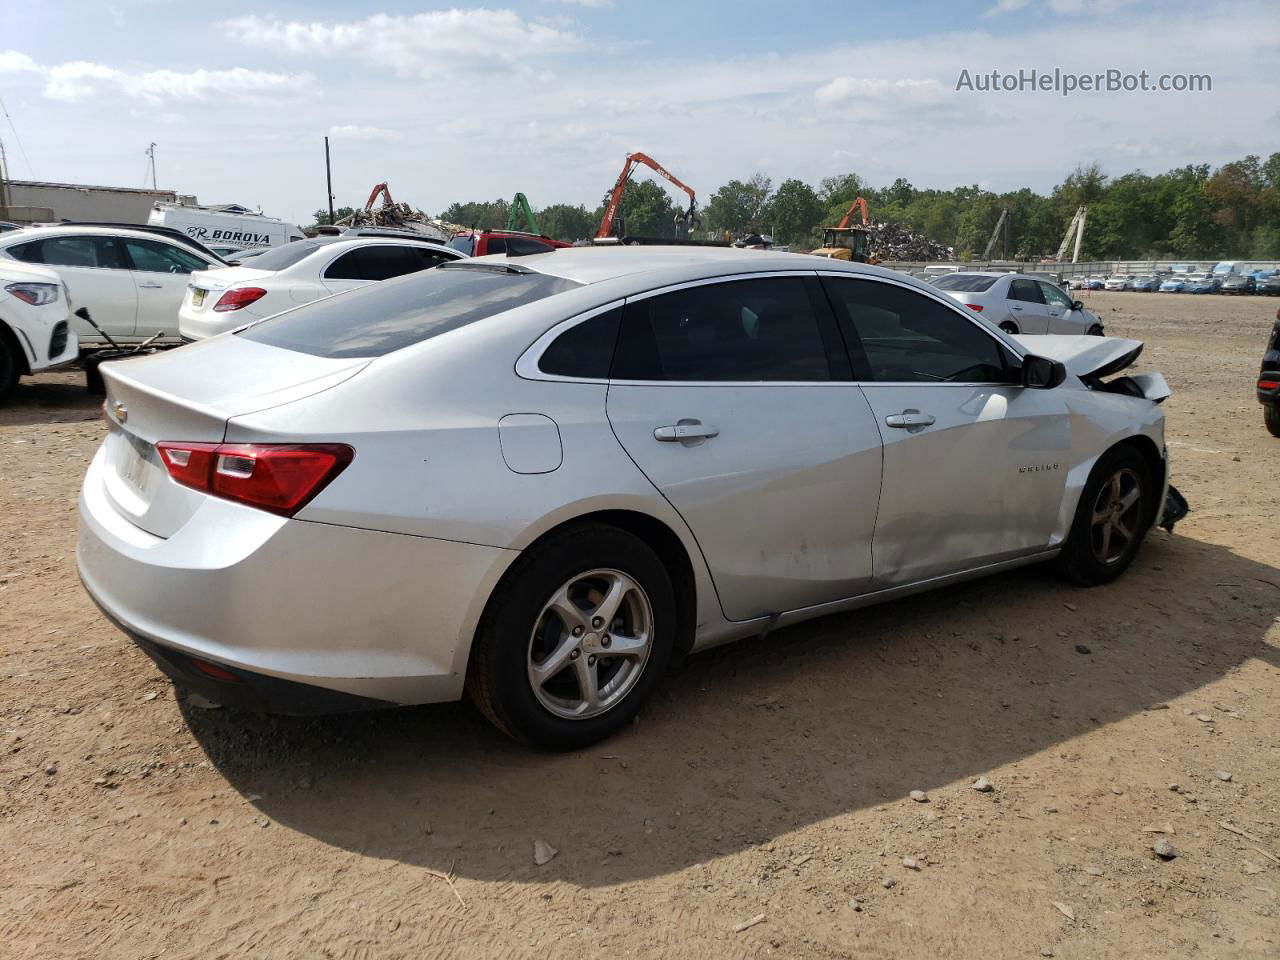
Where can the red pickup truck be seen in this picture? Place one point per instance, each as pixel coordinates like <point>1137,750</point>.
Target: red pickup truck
<point>478,243</point>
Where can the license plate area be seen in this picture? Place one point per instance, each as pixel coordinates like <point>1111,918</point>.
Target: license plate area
<point>139,460</point>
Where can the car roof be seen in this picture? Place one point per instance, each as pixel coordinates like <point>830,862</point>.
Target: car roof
<point>591,265</point>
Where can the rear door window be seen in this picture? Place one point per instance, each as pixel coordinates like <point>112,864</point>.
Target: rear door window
<point>765,329</point>
<point>1025,290</point>
<point>519,246</point>
<point>584,350</point>
<point>385,317</point>
<point>80,251</point>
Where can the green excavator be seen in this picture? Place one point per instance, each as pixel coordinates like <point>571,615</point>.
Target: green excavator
<point>520,209</point>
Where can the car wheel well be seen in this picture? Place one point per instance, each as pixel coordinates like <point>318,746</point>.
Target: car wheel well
<point>1150,454</point>
<point>1008,326</point>
<point>10,340</point>
<point>663,541</point>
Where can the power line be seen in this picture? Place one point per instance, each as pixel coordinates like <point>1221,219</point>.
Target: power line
<point>17,139</point>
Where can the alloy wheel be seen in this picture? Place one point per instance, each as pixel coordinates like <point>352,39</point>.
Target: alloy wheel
<point>590,644</point>
<point>1117,516</point>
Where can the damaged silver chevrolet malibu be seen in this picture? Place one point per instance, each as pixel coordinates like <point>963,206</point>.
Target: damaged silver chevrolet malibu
<point>535,480</point>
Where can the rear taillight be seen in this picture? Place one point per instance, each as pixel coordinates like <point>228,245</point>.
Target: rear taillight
<point>1268,384</point>
<point>974,306</point>
<point>238,297</point>
<point>279,477</point>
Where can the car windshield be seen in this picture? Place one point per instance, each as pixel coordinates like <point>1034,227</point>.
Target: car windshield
<point>965,282</point>
<point>279,258</point>
<point>394,314</point>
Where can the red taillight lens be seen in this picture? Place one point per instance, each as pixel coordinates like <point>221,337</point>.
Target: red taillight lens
<point>279,477</point>
<point>238,297</point>
<point>974,306</point>
<point>1268,384</point>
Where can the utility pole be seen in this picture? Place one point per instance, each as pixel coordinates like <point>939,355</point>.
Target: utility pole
<point>4,182</point>
<point>328,179</point>
<point>151,154</point>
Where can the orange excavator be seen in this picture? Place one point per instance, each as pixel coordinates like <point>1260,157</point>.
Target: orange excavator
<point>686,220</point>
<point>845,242</point>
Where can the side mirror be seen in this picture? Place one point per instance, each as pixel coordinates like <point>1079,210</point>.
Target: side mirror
<point>1040,373</point>
<point>1077,305</point>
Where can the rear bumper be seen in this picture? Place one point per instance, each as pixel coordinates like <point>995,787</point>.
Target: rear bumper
<point>375,616</point>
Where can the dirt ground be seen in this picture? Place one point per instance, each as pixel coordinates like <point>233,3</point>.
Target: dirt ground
<point>769,780</point>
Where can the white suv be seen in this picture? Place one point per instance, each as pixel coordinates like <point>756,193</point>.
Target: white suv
<point>35,330</point>
<point>131,280</point>
<point>297,273</point>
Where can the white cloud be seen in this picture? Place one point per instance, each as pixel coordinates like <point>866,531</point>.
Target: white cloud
<point>597,4</point>
<point>907,90</point>
<point>85,80</point>
<point>354,132</point>
<point>424,44</point>
<point>1063,7</point>
<point>11,61</point>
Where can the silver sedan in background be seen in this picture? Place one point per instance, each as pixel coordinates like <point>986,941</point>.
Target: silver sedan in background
<point>1020,304</point>
<point>537,479</point>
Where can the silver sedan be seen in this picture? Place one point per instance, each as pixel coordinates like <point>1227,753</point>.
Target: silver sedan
<point>537,479</point>
<point>1020,304</point>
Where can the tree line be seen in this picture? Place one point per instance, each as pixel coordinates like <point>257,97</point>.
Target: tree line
<point>1193,212</point>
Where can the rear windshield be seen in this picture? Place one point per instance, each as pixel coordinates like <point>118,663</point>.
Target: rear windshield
<point>394,314</point>
<point>964,282</point>
<point>286,256</point>
<point>464,243</point>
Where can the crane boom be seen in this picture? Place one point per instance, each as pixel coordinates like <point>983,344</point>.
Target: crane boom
<point>380,188</point>
<point>1004,216</point>
<point>615,198</point>
<point>858,204</point>
<point>1076,226</point>
<point>520,209</point>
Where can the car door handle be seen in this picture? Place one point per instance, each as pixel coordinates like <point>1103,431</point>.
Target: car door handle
<point>151,286</point>
<point>1014,306</point>
<point>910,419</point>
<point>685,430</point>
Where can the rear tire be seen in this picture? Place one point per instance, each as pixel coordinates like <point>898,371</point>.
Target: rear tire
<point>528,629</point>
<point>9,370</point>
<point>1095,331</point>
<point>1271,417</point>
<point>1112,518</point>
<point>1009,327</point>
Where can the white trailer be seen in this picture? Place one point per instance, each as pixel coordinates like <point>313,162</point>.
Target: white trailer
<point>225,226</point>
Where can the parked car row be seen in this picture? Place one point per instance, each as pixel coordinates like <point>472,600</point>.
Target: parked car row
<point>1230,283</point>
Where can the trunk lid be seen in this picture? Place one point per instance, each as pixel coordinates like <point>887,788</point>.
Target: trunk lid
<point>1084,356</point>
<point>189,394</point>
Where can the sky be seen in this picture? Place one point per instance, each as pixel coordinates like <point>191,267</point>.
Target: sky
<point>477,101</point>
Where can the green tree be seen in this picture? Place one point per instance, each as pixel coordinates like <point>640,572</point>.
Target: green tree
<point>739,207</point>
<point>794,212</point>
<point>483,214</point>
<point>565,222</point>
<point>322,215</point>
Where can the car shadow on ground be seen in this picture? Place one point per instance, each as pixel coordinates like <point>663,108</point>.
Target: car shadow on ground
<point>63,391</point>
<point>750,741</point>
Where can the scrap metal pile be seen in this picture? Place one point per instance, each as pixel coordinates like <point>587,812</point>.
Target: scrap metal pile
<point>892,241</point>
<point>399,216</point>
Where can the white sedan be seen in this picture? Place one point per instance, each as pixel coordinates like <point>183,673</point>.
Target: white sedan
<point>1020,304</point>
<point>536,479</point>
<point>35,323</point>
<point>131,279</point>
<point>295,273</point>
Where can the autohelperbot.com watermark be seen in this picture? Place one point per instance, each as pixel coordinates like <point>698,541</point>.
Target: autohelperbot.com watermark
<point>1065,82</point>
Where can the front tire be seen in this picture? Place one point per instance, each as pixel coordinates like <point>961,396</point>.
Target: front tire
<point>1271,417</point>
<point>9,371</point>
<point>574,639</point>
<point>1095,331</point>
<point>1112,518</point>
